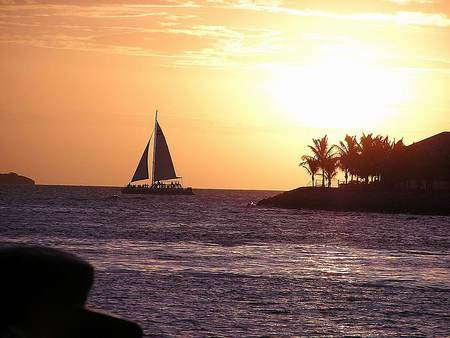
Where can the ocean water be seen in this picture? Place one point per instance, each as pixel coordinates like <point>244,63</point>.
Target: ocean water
<point>206,265</point>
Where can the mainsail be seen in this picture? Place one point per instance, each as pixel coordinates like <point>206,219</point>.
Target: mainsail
<point>141,172</point>
<point>163,168</point>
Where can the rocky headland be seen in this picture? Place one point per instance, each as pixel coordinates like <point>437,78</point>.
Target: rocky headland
<point>367,200</point>
<point>15,179</point>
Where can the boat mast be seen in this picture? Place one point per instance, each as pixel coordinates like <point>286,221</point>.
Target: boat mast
<point>154,147</point>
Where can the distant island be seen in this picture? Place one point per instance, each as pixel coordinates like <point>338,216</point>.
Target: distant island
<point>15,179</point>
<point>380,176</point>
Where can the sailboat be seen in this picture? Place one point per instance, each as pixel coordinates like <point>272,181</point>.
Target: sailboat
<point>164,180</point>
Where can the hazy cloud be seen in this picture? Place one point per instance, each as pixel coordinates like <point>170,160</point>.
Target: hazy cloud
<point>186,33</point>
<point>407,2</point>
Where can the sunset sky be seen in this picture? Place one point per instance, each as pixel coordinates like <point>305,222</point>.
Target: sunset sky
<point>241,86</point>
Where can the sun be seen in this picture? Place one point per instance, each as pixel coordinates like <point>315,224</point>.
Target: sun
<point>338,93</point>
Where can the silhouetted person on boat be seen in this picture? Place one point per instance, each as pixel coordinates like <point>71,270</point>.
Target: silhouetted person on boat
<point>43,292</point>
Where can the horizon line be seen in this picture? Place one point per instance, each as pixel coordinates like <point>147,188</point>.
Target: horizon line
<point>117,186</point>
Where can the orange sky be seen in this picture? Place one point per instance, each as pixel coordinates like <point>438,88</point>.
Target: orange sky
<point>241,86</point>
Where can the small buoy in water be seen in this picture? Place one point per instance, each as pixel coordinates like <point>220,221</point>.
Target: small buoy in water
<point>251,204</point>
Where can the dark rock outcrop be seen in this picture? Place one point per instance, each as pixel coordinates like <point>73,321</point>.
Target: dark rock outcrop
<point>14,179</point>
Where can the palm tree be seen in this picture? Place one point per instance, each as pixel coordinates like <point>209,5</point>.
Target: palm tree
<point>348,153</point>
<point>322,153</point>
<point>398,146</point>
<point>382,148</point>
<point>365,163</point>
<point>365,159</point>
<point>311,165</point>
<point>331,168</point>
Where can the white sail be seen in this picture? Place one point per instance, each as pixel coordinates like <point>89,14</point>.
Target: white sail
<point>141,172</point>
<point>163,168</point>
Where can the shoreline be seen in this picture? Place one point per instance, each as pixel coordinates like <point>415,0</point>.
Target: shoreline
<point>363,200</point>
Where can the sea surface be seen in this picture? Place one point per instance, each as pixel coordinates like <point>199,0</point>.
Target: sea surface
<point>207,265</point>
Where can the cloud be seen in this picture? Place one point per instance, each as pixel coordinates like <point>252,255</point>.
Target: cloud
<point>408,2</point>
<point>170,36</point>
<point>402,17</point>
<point>183,33</point>
<point>93,10</point>
<point>146,3</point>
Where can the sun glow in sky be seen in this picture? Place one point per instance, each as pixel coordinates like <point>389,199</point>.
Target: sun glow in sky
<point>340,92</point>
<point>241,85</point>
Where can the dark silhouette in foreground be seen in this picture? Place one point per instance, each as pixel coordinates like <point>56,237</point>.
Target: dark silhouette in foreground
<point>43,293</point>
<point>14,179</point>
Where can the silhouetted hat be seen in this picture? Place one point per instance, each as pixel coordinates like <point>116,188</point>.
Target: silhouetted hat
<point>39,281</point>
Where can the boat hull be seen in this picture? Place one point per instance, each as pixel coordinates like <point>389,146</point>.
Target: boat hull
<point>157,191</point>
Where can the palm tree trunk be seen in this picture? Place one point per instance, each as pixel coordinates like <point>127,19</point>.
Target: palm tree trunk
<point>323,178</point>
<point>312,176</point>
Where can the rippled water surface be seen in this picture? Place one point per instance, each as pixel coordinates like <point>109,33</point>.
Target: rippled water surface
<point>206,265</point>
